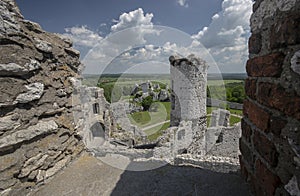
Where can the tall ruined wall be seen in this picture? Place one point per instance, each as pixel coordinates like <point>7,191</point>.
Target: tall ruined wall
<point>37,132</point>
<point>270,143</point>
<point>188,97</point>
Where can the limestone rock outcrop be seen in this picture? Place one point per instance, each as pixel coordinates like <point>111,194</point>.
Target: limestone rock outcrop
<point>38,136</point>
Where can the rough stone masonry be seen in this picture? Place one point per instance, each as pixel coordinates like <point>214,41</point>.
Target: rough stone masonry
<point>188,98</point>
<point>37,132</point>
<point>270,143</point>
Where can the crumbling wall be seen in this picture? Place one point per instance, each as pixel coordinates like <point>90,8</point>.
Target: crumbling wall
<point>188,97</point>
<point>270,143</point>
<point>92,115</point>
<point>37,132</point>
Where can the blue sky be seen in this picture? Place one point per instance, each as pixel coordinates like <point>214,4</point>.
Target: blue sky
<point>222,26</point>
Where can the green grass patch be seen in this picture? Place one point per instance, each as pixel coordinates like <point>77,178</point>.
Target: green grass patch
<point>233,120</point>
<point>157,131</point>
<point>145,118</point>
<point>140,118</point>
<point>237,112</point>
<point>208,121</point>
<point>167,106</point>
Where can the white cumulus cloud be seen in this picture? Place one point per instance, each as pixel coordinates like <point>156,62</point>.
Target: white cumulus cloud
<point>133,19</point>
<point>129,32</point>
<point>183,3</point>
<point>82,36</point>
<point>227,35</point>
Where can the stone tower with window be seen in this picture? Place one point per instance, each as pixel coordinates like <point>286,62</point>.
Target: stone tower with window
<point>188,98</point>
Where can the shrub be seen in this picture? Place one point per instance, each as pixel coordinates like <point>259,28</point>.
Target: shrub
<point>146,102</point>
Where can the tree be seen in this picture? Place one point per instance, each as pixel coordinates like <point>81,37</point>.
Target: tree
<point>146,102</point>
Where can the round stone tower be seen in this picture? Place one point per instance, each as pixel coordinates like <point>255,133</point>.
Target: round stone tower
<point>188,97</point>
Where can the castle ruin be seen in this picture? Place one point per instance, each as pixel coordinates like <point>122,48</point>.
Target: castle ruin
<point>188,99</point>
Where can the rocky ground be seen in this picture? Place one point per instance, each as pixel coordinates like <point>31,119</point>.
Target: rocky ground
<point>89,176</point>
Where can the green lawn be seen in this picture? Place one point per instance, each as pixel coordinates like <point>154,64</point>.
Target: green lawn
<point>155,132</point>
<point>140,118</point>
<point>144,119</point>
<point>233,120</point>
<point>237,112</point>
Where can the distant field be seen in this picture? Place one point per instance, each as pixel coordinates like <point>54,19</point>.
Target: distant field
<point>92,80</point>
<point>230,89</point>
<point>221,82</point>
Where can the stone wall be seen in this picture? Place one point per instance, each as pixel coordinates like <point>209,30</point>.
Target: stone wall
<point>125,131</point>
<point>270,143</point>
<point>37,132</point>
<point>92,115</point>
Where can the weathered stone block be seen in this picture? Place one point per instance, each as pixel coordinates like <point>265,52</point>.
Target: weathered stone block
<point>246,131</point>
<point>32,164</point>
<point>265,148</point>
<point>265,66</point>
<point>256,114</point>
<point>34,91</point>
<point>255,43</point>
<point>43,127</point>
<point>277,124</point>
<point>266,182</point>
<point>248,155</point>
<point>19,55</point>
<point>4,184</point>
<point>8,123</point>
<point>43,46</point>
<point>10,88</point>
<point>295,62</point>
<point>9,160</point>
<point>72,52</point>
<point>276,96</point>
<point>285,31</point>
<point>58,166</point>
<point>250,88</point>
<point>13,69</point>
<point>244,169</point>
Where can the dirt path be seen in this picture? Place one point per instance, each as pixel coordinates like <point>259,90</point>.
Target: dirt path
<point>89,176</point>
<point>157,124</point>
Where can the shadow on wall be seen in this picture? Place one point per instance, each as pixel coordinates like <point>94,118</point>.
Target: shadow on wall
<point>180,180</point>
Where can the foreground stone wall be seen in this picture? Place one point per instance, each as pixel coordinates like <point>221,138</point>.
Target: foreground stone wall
<point>270,143</point>
<point>37,132</point>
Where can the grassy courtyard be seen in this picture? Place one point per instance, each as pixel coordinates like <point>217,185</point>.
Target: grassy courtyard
<point>145,119</point>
